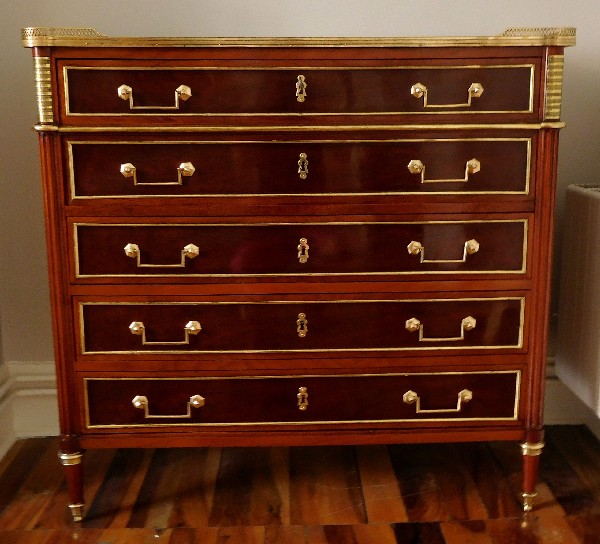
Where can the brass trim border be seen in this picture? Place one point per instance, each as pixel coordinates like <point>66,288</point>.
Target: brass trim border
<point>201,129</point>
<point>564,31</point>
<point>514,417</point>
<point>451,111</point>
<point>522,270</point>
<point>553,92</point>
<point>533,450</point>
<point>89,37</point>
<point>31,36</point>
<point>43,89</point>
<point>70,459</point>
<point>518,345</point>
<point>73,194</point>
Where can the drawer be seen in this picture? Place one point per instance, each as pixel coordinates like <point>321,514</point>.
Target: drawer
<point>307,249</point>
<point>297,400</point>
<point>144,328</point>
<point>136,169</point>
<point>142,89</point>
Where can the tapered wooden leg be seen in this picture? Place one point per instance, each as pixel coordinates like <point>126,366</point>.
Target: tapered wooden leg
<point>531,462</point>
<point>74,474</point>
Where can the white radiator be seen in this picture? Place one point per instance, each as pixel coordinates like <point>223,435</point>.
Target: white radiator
<point>578,342</point>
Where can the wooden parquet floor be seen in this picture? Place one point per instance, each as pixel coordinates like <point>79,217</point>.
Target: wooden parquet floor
<point>406,494</point>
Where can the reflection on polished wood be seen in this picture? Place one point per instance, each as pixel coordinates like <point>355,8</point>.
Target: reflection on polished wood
<point>431,494</point>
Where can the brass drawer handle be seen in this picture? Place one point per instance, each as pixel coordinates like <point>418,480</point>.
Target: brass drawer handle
<point>410,397</point>
<point>138,328</point>
<point>302,397</point>
<point>186,169</point>
<point>190,251</point>
<point>467,324</point>
<point>301,86</point>
<point>141,402</point>
<point>183,92</point>
<point>417,167</point>
<point>303,166</point>
<point>417,248</point>
<point>302,325</point>
<point>303,250</point>
<point>419,90</point>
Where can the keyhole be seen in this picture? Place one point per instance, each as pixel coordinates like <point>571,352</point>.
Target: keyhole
<point>302,397</point>
<point>302,325</point>
<point>303,250</point>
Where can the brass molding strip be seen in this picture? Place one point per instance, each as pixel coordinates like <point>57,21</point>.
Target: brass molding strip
<point>518,345</point>
<point>75,196</point>
<point>88,37</point>
<point>36,35</point>
<point>529,109</point>
<point>564,31</point>
<point>297,128</point>
<point>514,417</point>
<point>296,68</point>
<point>43,89</point>
<point>554,81</point>
<point>522,270</point>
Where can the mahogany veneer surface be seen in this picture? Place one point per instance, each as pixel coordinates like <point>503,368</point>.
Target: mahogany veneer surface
<point>345,243</point>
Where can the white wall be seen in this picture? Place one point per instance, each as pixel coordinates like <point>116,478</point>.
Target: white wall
<point>24,306</point>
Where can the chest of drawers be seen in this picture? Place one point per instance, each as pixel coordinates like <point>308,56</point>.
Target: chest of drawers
<point>298,242</point>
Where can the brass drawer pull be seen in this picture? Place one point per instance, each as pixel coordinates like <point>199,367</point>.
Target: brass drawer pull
<point>303,250</point>
<point>302,325</point>
<point>190,251</point>
<point>186,169</point>
<point>301,86</point>
<point>141,402</point>
<point>410,397</point>
<point>419,90</point>
<point>303,166</point>
<point>183,92</point>
<point>470,247</point>
<point>302,397</point>
<point>417,167</point>
<point>138,328</point>
<point>467,324</point>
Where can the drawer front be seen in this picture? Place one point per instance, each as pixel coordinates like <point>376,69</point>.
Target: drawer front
<point>463,166</point>
<point>142,90</point>
<point>301,326</point>
<point>297,400</point>
<point>435,247</point>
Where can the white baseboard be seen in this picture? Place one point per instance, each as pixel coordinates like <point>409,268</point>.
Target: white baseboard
<point>563,407</point>
<point>35,411</point>
<point>7,436</point>
<point>28,404</point>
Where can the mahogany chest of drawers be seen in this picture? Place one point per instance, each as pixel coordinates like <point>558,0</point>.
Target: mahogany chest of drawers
<point>298,242</point>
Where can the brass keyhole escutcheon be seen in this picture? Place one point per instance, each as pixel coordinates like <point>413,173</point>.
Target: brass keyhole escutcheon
<point>301,86</point>
<point>303,165</point>
<point>302,325</point>
<point>302,397</point>
<point>303,250</point>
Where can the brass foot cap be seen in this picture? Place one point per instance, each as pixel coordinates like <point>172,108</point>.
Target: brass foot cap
<point>76,511</point>
<point>528,501</point>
